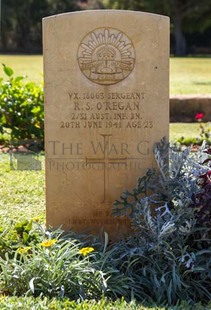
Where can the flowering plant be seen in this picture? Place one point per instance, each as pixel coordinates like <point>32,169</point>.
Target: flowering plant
<point>199,116</point>
<point>205,128</point>
<point>48,243</point>
<point>85,251</point>
<point>204,134</point>
<point>59,266</point>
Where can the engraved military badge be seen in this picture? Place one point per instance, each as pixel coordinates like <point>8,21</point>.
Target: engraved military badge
<point>106,56</point>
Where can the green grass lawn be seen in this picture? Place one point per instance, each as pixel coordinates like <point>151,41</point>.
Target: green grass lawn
<point>22,192</point>
<point>190,75</point>
<point>25,65</point>
<point>186,130</point>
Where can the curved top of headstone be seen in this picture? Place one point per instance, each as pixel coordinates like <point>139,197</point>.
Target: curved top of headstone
<point>106,11</point>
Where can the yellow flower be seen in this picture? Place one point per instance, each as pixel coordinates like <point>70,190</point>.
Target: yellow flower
<point>48,243</point>
<point>85,251</point>
<point>36,219</point>
<point>24,250</point>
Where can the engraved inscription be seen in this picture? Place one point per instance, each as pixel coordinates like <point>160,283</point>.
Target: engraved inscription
<point>106,56</point>
<point>98,110</point>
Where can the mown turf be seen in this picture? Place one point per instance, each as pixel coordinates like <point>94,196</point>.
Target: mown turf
<point>186,130</point>
<point>190,75</point>
<point>30,66</point>
<point>22,192</point>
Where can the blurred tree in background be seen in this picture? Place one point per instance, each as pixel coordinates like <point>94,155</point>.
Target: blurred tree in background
<point>187,17</point>
<point>21,21</point>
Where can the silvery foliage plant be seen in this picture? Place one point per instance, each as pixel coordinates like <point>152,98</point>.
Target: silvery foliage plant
<point>168,255</point>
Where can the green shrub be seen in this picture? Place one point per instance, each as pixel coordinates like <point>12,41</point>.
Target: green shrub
<point>21,109</point>
<point>14,236</point>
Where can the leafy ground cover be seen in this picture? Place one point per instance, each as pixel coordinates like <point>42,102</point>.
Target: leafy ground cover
<point>190,75</point>
<point>23,197</point>
<point>29,303</point>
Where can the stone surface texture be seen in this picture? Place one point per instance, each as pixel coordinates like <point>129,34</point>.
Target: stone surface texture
<point>106,76</point>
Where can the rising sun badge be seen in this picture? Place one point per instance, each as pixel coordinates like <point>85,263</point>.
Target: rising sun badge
<point>106,56</point>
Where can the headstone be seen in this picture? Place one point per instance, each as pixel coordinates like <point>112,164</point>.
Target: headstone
<point>106,104</point>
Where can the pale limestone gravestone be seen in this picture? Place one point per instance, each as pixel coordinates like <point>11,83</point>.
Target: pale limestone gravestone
<point>106,103</point>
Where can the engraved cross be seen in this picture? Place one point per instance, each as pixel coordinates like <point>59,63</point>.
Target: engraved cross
<point>106,160</point>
